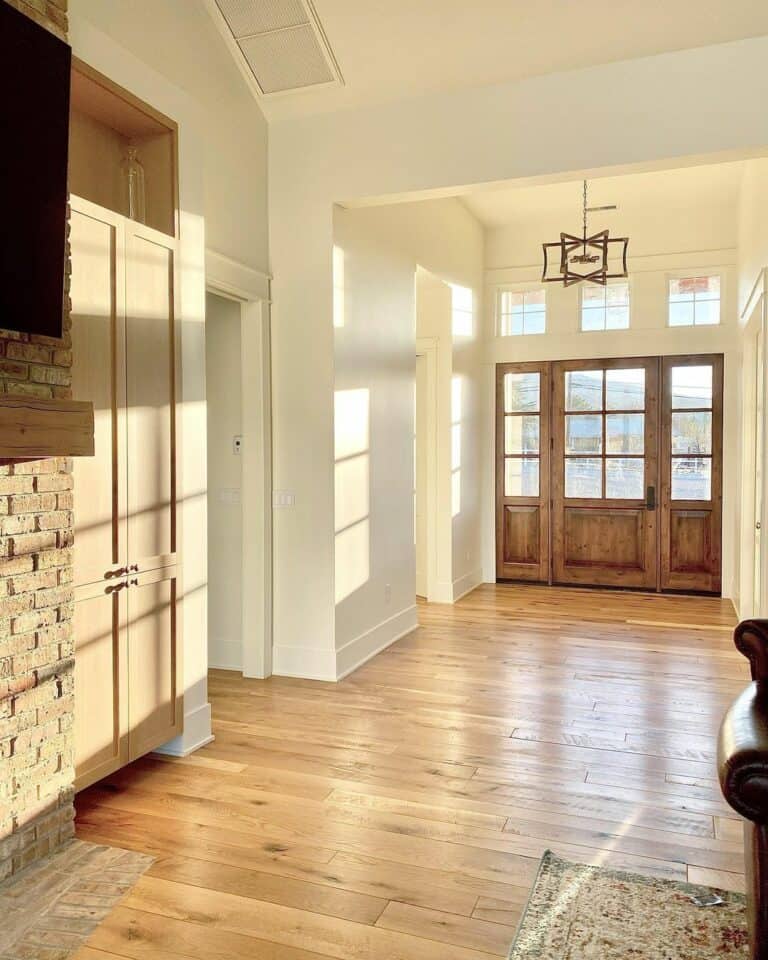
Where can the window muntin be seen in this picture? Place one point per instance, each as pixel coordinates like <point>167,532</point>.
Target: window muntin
<point>694,301</point>
<point>605,434</point>
<point>691,428</point>
<point>522,312</point>
<point>605,308</point>
<point>522,433</point>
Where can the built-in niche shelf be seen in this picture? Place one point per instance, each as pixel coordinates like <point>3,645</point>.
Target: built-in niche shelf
<point>32,429</point>
<point>105,120</point>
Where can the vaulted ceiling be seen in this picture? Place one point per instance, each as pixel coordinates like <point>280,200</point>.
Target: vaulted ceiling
<point>394,49</point>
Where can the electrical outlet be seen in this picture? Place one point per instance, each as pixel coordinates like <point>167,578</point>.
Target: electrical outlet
<point>388,593</point>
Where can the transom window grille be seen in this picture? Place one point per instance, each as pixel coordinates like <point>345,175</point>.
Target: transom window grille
<point>605,308</point>
<point>694,301</point>
<point>521,312</point>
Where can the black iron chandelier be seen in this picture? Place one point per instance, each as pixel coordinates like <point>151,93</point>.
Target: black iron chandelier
<point>597,258</point>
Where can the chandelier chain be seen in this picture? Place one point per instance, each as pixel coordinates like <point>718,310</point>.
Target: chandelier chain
<point>585,208</point>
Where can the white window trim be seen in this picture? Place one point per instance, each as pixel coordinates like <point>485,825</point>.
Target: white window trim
<point>690,273</point>
<point>623,281</point>
<point>531,287</point>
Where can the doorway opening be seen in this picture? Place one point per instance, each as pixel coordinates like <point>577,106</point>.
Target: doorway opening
<point>223,349</point>
<point>609,472</point>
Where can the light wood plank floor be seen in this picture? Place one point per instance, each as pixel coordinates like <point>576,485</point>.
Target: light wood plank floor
<point>401,813</point>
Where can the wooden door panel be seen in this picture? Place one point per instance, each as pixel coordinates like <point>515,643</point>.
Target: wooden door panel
<point>691,473</point>
<point>98,375</point>
<point>154,663</point>
<point>101,689</point>
<point>520,538</point>
<point>522,471</point>
<point>604,537</point>
<point>150,365</point>
<point>604,459</point>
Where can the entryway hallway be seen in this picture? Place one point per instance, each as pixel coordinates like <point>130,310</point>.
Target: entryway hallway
<point>402,812</point>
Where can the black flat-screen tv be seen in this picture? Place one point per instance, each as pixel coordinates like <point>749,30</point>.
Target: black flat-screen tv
<point>34,134</point>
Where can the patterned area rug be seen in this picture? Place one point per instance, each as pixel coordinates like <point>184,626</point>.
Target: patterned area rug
<point>52,908</point>
<point>588,913</point>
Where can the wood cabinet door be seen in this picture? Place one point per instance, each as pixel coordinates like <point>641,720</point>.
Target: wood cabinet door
<point>604,472</point>
<point>98,374</point>
<point>522,471</point>
<point>154,662</point>
<point>101,681</point>
<point>150,399</point>
<point>692,473</point>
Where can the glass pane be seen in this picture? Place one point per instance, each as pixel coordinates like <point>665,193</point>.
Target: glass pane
<point>521,434</point>
<point>692,433</point>
<point>592,296</point>
<point>707,312</point>
<point>681,314</point>
<point>625,389</point>
<point>584,433</point>
<point>584,390</point>
<point>583,477</point>
<point>521,392</point>
<point>593,318</point>
<point>691,387</point>
<point>691,478</point>
<point>710,288</point>
<point>617,318</point>
<point>624,478</point>
<point>535,322</point>
<point>625,433</point>
<point>534,297</point>
<point>617,293</point>
<point>514,324</point>
<point>521,477</point>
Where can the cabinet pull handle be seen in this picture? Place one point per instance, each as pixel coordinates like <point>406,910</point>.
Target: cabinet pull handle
<point>134,582</point>
<point>115,587</point>
<point>120,572</point>
<point>134,568</point>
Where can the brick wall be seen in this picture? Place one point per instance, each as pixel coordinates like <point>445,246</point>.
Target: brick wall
<point>36,643</point>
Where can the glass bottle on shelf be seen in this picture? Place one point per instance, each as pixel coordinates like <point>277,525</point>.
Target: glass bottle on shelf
<point>133,186</point>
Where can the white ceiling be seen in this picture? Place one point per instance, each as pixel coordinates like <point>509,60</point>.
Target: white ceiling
<point>396,49</point>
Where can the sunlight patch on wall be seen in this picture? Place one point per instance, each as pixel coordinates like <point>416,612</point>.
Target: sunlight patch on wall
<point>456,401</point>
<point>352,502</point>
<point>462,311</point>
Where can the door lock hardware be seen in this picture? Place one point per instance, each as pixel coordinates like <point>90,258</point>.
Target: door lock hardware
<point>650,498</point>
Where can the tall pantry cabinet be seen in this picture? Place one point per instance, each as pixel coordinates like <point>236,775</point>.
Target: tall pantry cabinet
<point>128,692</point>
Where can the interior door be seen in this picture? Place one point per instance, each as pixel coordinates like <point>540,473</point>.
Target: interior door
<point>150,379</point>
<point>604,470</point>
<point>692,473</point>
<point>154,667</point>
<point>522,471</point>
<point>98,374</point>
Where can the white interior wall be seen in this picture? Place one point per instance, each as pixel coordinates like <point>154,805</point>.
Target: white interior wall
<point>225,532</point>
<point>374,369</point>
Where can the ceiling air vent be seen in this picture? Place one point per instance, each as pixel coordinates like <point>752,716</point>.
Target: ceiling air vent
<point>279,44</point>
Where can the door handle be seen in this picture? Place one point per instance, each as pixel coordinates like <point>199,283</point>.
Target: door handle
<point>758,526</point>
<point>650,498</point>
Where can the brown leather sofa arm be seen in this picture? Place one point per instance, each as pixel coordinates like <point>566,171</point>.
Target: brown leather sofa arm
<point>742,755</point>
<point>743,740</point>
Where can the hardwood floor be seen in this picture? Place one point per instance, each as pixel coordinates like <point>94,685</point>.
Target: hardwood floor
<point>400,814</point>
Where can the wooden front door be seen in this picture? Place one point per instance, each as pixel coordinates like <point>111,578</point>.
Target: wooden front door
<point>604,472</point>
<point>522,471</point>
<point>692,473</point>
<point>609,472</point>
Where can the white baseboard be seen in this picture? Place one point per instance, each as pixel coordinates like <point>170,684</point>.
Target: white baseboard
<point>197,732</point>
<point>356,652</point>
<point>466,584</point>
<point>305,663</point>
<point>442,592</point>
<point>225,655</point>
